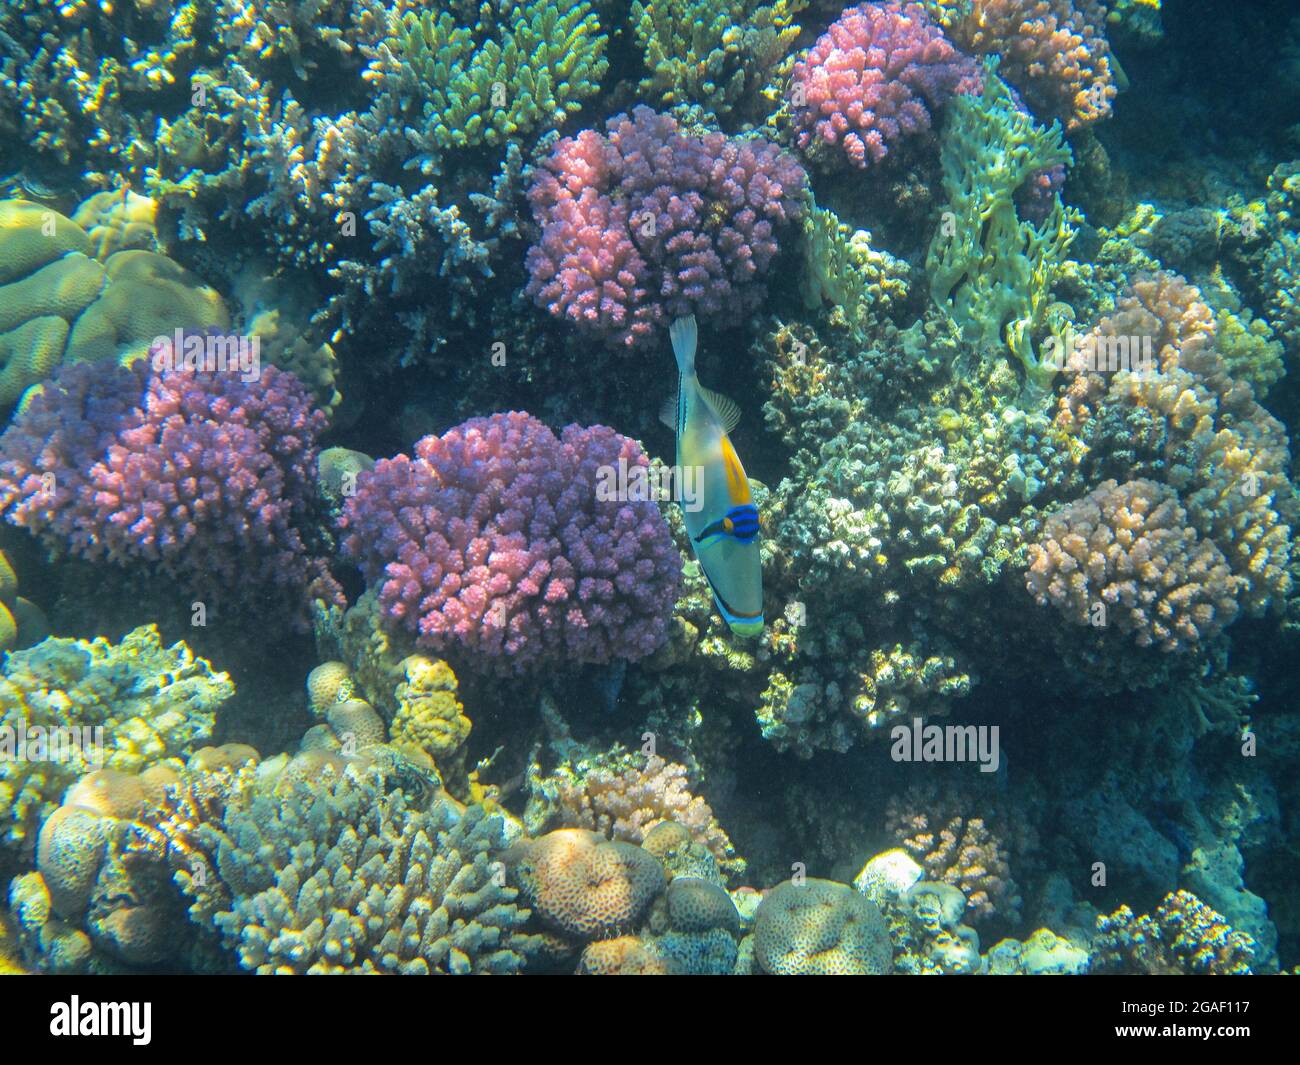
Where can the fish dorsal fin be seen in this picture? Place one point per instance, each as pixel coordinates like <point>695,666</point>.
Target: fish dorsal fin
<point>668,413</point>
<point>727,410</point>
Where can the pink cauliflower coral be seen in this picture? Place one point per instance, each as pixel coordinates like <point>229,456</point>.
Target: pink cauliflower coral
<point>874,77</point>
<point>492,542</point>
<point>203,476</point>
<point>645,224</point>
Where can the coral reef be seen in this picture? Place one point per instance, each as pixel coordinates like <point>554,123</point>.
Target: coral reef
<point>1014,329</point>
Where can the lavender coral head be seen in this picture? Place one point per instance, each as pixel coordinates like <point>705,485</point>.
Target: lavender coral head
<point>645,224</point>
<point>203,476</point>
<point>492,542</point>
<point>874,77</point>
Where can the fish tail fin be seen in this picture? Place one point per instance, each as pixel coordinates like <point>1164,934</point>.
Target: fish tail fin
<point>683,335</point>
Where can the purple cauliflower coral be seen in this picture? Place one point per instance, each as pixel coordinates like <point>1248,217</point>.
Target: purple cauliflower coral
<point>204,477</point>
<point>646,224</point>
<point>492,541</point>
<point>873,78</point>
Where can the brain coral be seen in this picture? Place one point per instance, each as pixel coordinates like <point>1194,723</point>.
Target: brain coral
<point>580,884</point>
<point>820,928</point>
<point>646,224</point>
<point>200,475</point>
<point>1126,555</point>
<point>493,542</point>
<point>873,78</point>
<point>336,875</point>
<point>152,702</point>
<point>61,304</point>
<point>1054,51</point>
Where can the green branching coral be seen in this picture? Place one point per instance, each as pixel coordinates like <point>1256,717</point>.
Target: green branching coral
<point>991,269</point>
<point>725,57</point>
<point>139,701</point>
<point>862,283</point>
<point>530,71</point>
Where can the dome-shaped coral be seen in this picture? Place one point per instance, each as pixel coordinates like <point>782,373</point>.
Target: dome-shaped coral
<point>820,928</point>
<point>582,884</point>
<point>59,303</point>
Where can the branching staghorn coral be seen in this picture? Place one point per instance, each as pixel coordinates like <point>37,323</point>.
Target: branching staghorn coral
<point>265,32</point>
<point>989,267</point>
<point>336,186</point>
<point>337,874</point>
<point>532,68</point>
<point>725,57</point>
<point>80,81</point>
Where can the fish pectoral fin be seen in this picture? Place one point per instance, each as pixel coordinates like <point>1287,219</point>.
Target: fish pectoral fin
<point>668,413</point>
<point>727,409</point>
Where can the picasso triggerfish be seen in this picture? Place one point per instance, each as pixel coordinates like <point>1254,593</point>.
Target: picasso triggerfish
<point>721,519</point>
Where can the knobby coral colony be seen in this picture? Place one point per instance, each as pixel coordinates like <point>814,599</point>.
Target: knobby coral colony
<point>1017,402</point>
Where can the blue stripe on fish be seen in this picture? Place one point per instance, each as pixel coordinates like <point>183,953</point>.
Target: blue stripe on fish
<point>740,523</point>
